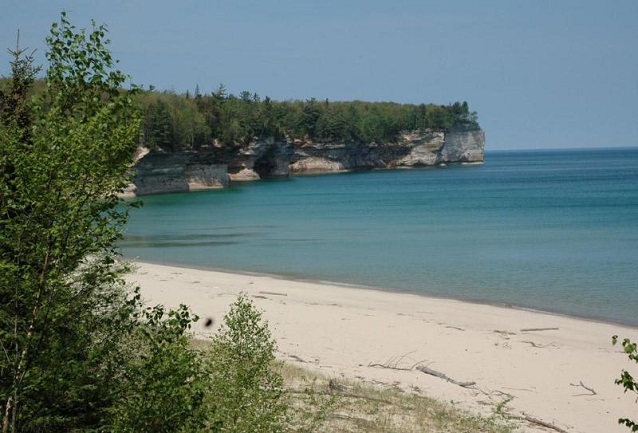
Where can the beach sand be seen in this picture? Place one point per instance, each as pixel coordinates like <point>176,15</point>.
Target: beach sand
<point>556,369</point>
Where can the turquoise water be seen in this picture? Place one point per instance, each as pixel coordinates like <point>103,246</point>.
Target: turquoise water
<point>552,230</point>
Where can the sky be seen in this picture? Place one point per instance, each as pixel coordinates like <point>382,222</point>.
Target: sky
<point>539,73</point>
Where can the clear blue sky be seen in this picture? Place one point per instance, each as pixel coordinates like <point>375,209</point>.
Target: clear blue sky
<point>540,73</point>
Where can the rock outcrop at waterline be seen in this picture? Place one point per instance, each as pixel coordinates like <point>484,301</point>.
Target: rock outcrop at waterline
<point>161,172</point>
<point>157,173</point>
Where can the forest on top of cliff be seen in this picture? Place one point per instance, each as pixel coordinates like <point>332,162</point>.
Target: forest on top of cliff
<point>174,122</point>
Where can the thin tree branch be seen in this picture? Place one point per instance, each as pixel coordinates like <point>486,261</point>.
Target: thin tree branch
<point>581,384</point>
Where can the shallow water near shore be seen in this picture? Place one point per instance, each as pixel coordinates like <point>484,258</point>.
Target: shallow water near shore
<point>551,230</point>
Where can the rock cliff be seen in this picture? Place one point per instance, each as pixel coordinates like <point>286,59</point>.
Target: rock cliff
<point>158,172</point>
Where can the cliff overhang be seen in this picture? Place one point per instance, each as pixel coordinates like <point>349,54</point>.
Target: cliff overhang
<point>161,172</point>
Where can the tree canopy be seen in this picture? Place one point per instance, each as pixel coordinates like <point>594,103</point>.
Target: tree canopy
<point>179,122</point>
<point>64,156</point>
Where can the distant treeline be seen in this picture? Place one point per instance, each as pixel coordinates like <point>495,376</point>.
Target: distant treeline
<point>173,121</point>
<point>190,121</point>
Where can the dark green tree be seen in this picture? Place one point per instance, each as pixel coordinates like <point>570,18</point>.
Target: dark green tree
<point>63,159</point>
<point>14,100</point>
<point>163,387</point>
<point>158,127</point>
<point>311,112</point>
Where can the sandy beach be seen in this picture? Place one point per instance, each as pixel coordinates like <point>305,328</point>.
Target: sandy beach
<point>555,369</point>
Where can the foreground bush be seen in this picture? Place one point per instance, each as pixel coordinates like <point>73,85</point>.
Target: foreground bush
<point>163,385</point>
<point>246,394</point>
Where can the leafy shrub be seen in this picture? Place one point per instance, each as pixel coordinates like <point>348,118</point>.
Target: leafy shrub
<point>65,153</point>
<point>246,394</point>
<point>626,380</point>
<point>163,388</point>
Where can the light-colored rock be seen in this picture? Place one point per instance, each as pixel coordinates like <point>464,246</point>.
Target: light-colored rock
<point>316,165</point>
<point>204,176</point>
<point>243,175</point>
<point>464,147</point>
<point>425,149</point>
<point>159,172</point>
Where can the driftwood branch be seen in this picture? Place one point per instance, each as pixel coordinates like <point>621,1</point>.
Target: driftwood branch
<point>538,329</point>
<point>427,370</point>
<point>390,367</point>
<point>393,363</point>
<point>537,345</point>
<point>540,422</point>
<point>581,384</point>
<point>297,358</point>
<point>264,292</point>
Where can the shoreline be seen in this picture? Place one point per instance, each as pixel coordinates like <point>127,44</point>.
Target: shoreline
<point>528,363</point>
<point>521,307</point>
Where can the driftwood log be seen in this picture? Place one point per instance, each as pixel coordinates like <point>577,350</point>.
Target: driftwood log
<point>540,422</point>
<point>428,370</point>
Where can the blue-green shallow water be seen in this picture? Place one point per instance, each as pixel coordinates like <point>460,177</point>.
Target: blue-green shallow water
<point>551,230</point>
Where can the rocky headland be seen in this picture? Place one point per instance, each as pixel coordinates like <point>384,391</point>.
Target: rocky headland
<point>216,167</point>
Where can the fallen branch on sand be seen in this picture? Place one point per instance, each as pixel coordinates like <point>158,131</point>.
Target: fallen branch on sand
<point>581,384</point>
<point>536,345</point>
<point>538,329</point>
<point>390,367</point>
<point>427,370</point>
<point>393,363</point>
<point>264,292</point>
<point>539,422</point>
<point>298,359</point>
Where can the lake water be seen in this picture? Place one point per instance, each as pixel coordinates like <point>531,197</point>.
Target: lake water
<point>551,230</point>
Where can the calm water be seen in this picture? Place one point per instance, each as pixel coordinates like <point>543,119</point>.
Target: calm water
<point>553,230</point>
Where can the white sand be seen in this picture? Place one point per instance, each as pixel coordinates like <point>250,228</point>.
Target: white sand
<point>341,331</point>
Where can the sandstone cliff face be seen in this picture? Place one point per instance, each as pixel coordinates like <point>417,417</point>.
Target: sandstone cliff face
<point>186,171</point>
<point>157,173</point>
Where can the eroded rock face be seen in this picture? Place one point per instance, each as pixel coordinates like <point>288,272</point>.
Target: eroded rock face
<point>186,171</point>
<point>424,149</point>
<point>436,148</point>
<point>313,164</point>
<point>266,158</point>
<point>464,147</point>
<point>244,175</point>
<point>157,173</point>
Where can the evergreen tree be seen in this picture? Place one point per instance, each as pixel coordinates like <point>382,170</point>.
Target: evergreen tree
<point>158,127</point>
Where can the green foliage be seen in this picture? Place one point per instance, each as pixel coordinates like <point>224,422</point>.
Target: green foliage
<point>626,380</point>
<point>158,126</point>
<point>173,122</point>
<point>227,120</point>
<point>14,104</point>
<point>163,386</point>
<point>64,157</point>
<point>79,353</point>
<point>246,392</point>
